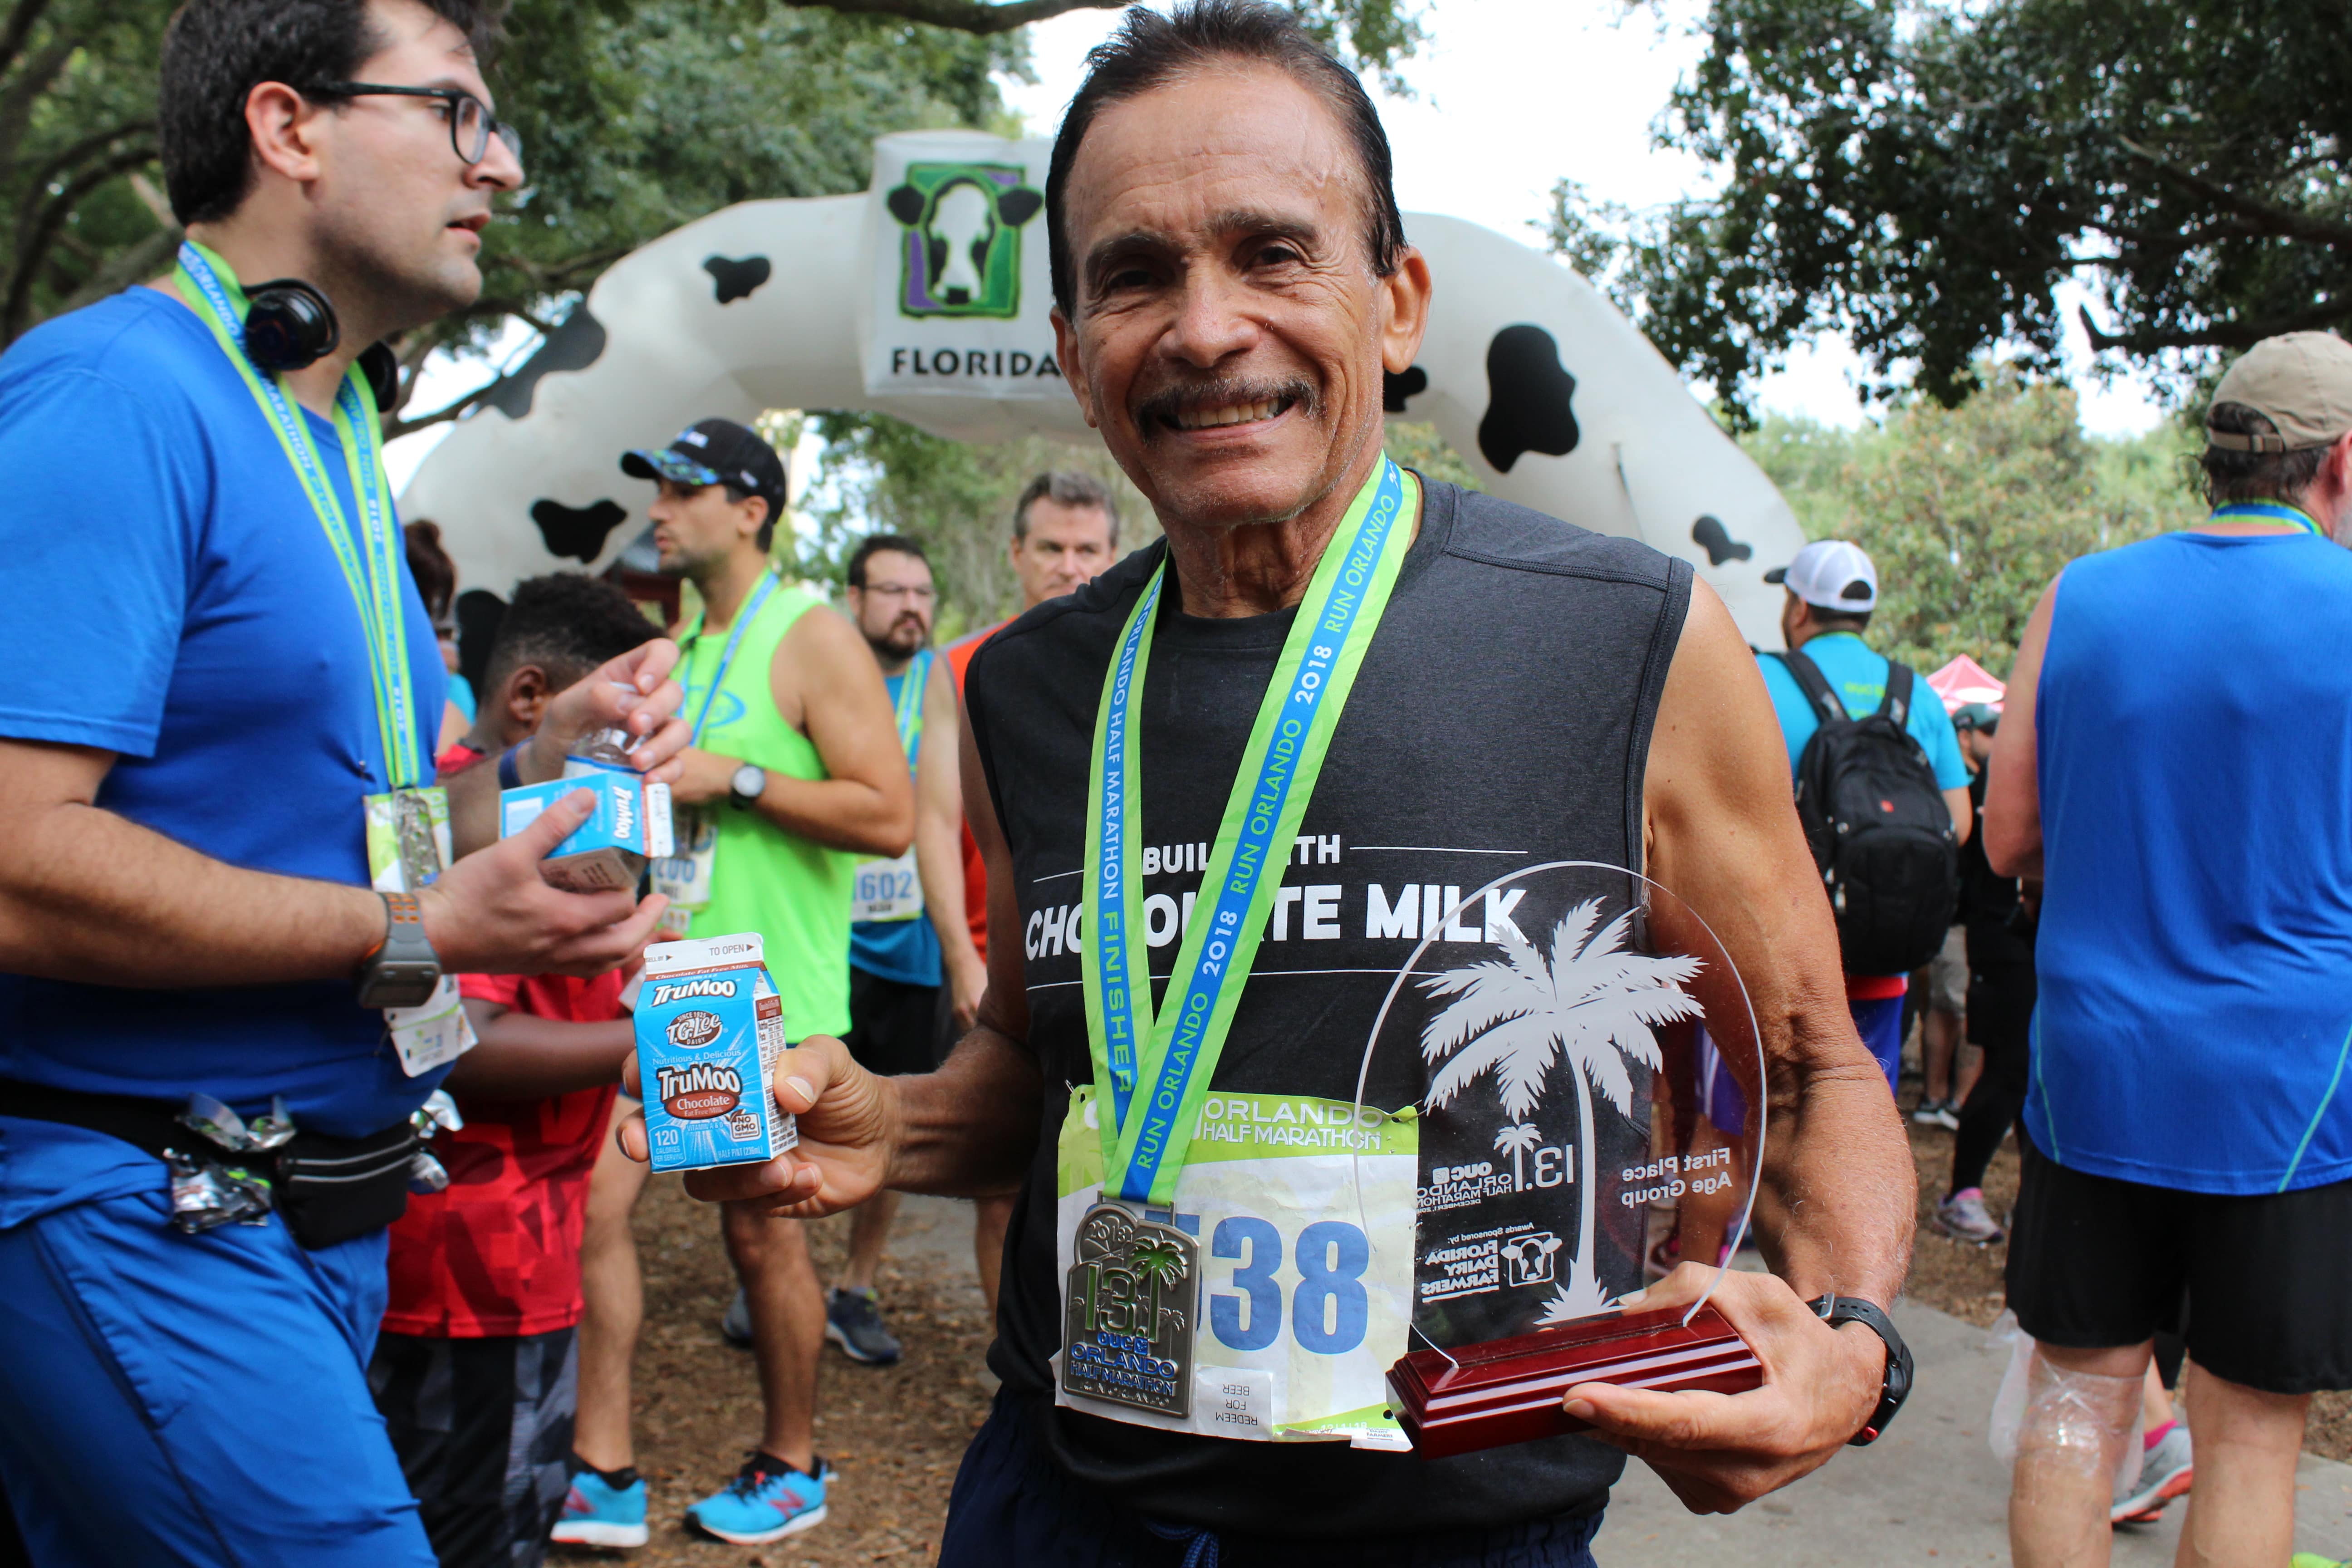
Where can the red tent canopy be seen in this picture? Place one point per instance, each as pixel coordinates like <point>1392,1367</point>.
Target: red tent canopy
<point>1964,680</point>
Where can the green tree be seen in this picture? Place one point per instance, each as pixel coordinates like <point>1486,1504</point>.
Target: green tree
<point>1923,177</point>
<point>1968,512</point>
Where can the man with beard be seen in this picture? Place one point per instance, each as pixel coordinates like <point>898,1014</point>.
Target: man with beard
<point>220,1012</point>
<point>1231,282</point>
<point>793,778</point>
<point>906,912</point>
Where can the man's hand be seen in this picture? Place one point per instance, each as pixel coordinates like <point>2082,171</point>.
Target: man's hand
<point>1719,1452</point>
<point>848,1133</point>
<point>493,913</point>
<point>634,692</point>
<point>703,777</point>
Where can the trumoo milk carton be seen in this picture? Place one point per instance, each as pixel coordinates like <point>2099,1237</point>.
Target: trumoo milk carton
<point>709,1028</point>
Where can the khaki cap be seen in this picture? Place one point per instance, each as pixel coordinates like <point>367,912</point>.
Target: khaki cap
<point>2301,382</point>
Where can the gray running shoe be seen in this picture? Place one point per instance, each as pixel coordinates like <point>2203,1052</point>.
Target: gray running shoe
<point>1962,1217</point>
<point>2165,1472</point>
<point>1940,1113</point>
<point>852,1319</point>
<point>737,1324</point>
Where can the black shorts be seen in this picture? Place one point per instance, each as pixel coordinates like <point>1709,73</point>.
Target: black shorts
<point>895,1027</point>
<point>2260,1287</point>
<point>483,1428</point>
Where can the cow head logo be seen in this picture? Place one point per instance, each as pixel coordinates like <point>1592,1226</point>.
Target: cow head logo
<point>959,240</point>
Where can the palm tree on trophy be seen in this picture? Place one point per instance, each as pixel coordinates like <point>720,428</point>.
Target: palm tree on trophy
<point>1593,1004</point>
<point>1514,1141</point>
<point>1158,1264</point>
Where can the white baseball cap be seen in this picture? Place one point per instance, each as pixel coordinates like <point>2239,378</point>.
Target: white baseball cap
<point>1832,574</point>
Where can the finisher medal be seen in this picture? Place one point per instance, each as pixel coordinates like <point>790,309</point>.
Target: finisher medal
<point>1131,1305</point>
<point>1130,1311</point>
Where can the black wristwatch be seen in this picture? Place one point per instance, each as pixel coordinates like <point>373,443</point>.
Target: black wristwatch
<point>749,783</point>
<point>404,970</point>
<point>1897,1387</point>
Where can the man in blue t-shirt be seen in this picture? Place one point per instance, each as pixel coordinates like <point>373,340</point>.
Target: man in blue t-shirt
<point>1831,590</point>
<point>217,657</point>
<point>2172,764</point>
<point>907,911</point>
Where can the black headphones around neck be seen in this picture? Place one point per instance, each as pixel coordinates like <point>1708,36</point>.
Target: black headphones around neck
<point>289,325</point>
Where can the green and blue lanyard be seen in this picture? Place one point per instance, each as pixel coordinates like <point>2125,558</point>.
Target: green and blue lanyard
<point>2267,512</point>
<point>374,578</point>
<point>743,619</point>
<point>909,708</point>
<point>1146,1138</point>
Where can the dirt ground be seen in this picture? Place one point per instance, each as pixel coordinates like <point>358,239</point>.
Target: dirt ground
<point>896,1433</point>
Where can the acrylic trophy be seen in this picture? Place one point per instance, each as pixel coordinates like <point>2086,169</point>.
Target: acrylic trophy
<point>1568,1077</point>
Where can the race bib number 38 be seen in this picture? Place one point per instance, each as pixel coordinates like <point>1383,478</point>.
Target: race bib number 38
<point>1302,1308</point>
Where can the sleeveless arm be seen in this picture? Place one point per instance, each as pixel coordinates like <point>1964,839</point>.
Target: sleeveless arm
<point>2012,813</point>
<point>1837,1194</point>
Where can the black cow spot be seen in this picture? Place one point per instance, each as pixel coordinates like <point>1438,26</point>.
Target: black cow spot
<point>1395,389</point>
<point>1018,205</point>
<point>734,281</point>
<point>578,531</point>
<point>1709,534</point>
<point>575,345</point>
<point>1527,399</point>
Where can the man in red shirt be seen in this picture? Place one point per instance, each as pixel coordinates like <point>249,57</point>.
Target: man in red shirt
<point>1065,534</point>
<point>476,1370</point>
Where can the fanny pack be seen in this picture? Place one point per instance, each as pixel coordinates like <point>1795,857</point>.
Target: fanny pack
<point>327,1189</point>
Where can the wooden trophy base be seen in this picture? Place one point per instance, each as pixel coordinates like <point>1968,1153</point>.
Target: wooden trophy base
<point>1510,1391</point>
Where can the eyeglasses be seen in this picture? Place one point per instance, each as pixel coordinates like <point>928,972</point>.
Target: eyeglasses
<point>471,125</point>
<point>918,595</point>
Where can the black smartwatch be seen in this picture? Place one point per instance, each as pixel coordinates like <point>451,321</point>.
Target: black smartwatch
<point>404,970</point>
<point>1896,1386</point>
<point>749,784</point>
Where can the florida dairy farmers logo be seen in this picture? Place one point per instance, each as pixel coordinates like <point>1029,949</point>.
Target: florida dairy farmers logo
<point>959,239</point>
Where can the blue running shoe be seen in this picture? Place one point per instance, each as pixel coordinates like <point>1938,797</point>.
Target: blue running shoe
<point>767,1500</point>
<point>595,1514</point>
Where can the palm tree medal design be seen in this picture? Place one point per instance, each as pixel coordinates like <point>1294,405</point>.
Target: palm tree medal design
<point>1516,1209</point>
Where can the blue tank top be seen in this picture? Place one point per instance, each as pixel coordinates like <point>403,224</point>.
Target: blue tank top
<point>2194,733</point>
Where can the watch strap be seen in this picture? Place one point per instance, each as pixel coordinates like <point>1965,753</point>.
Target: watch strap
<point>402,970</point>
<point>1894,1387</point>
<point>510,774</point>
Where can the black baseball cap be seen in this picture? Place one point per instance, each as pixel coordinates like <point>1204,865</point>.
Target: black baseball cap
<point>715,452</point>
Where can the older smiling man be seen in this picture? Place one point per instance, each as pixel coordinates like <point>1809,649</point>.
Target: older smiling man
<point>1231,282</point>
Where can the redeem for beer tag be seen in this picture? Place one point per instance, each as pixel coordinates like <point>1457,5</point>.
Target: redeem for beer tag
<point>709,1029</point>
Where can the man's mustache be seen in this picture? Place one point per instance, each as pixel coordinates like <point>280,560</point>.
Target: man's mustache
<point>1163,407</point>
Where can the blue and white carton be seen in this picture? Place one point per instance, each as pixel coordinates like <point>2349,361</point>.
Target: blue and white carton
<point>709,1028</point>
<point>630,825</point>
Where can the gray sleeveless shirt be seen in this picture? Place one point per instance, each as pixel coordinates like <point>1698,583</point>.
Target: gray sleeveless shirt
<point>1502,717</point>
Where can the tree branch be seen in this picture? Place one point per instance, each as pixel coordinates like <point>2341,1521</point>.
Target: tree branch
<point>148,256</point>
<point>19,28</point>
<point>33,239</point>
<point>2279,222</point>
<point>394,428</point>
<point>962,15</point>
<point>2218,335</point>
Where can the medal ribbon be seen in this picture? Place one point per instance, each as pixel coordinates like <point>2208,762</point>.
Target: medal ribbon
<point>1144,1144</point>
<point>2267,512</point>
<point>743,618</point>
<point>909,706</point>
<point>208,283</point>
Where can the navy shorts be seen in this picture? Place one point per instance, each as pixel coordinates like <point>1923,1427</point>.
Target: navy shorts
<point>1012,1508</point>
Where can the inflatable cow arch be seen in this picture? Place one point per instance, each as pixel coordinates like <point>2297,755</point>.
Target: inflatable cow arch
<point>928,298</point>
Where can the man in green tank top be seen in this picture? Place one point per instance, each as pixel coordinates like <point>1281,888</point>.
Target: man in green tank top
<point>795,776</point>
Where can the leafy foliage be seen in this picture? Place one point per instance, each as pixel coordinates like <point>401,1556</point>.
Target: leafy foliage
<point>1923,177</point>
<point>1968,512</point>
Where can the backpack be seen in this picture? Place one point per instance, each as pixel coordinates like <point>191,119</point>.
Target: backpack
<point>1880,832</point>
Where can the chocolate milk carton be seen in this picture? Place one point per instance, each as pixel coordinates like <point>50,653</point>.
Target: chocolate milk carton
<point>709,1028</point>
